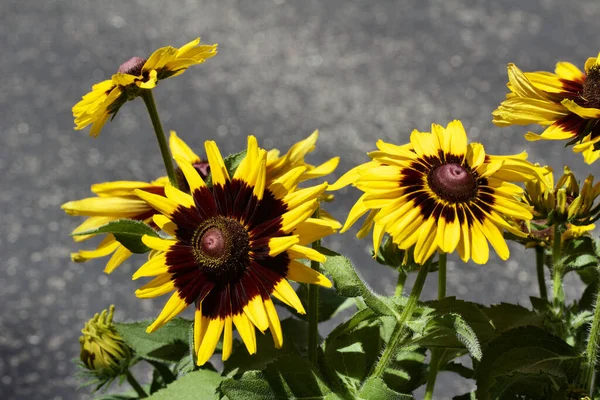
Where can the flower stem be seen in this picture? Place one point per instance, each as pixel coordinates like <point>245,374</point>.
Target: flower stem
<point>557,270</point>
<point>434,364</point>
<point>539,263</point>
<point>313,305</point>
<point>400,328</point>
<point>442,259</point>
<point>135,385</point>
<point>591,351</point>
<point>400,282</point>
<point>160,135</point>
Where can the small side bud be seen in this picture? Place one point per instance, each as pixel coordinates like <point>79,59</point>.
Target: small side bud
<point>561,202</point>
<point>103,352</point>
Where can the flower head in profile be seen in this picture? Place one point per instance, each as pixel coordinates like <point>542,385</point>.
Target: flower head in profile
<point>136,74</point>
<point>564,203</point>
<point>566,101</point>
<point>116,200</point>
<point>103,352</point>
<point>440,193</point>
<point>234,245</point>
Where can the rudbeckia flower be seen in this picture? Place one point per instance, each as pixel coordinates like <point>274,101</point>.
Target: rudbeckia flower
<point>106,97</point>
<point>116,200</point>
<point>440,193</point>
<point>567,101</point>
<point>234,245</point>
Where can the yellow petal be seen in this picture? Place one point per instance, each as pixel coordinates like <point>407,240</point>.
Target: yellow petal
<point>180,149</point>
<point>118,258</point>
<point>274,324</point>
<point>584,112</point>
<point>192,176</point>
<point>157,243</point>
<point>227,339</point>
<point>284,292</point>
<point>297,251</point>
<point>217,167</point>
<point>278,245</point>
<point>155,266</point>
<point>246,330</point>
<point>159,203</point>
<point>174,306</point>
<point>210,340</point>
<point>165,224</point>
<point>255,310</point>
<point>301,273</point>
<point>158,286</point>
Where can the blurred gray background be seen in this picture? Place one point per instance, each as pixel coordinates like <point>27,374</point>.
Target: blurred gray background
<point>356,70</point>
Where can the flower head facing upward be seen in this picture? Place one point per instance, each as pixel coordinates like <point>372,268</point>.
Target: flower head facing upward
<point>103,351</point>
<point>567,101</point>
<point>440,193</point>
<point>136,74</point>
<point>233,245</point>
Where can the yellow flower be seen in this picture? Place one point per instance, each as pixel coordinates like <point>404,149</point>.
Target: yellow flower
<point>116,200</point>
<point>103,351</point>
<point>440,193</point>
<point>136,74</point>
<point>234,245</point>
<point>567,101</point>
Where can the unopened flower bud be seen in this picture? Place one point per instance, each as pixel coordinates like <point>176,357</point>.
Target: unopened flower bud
<point>103,351</point>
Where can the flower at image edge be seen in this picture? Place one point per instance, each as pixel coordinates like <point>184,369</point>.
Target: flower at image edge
<point>440,193</point>
<point>567,101</point>
<point>234,245</point>
<point>136,74</point>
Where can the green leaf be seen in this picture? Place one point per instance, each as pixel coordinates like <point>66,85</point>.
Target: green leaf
<point>294,342</point>
<point>128,232</point>
<point>232,162</point>
<point>287,377</point>
<point>201,384</point>
<point>330,303</point>
<point>375,388</point>
<point>168,344</point>
<point>161,376</point>
<point>525,361</point>
<point>352,355</point>
<point>349,284</point>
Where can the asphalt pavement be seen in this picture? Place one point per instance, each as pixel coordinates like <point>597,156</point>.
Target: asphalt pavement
<point>356,70</point>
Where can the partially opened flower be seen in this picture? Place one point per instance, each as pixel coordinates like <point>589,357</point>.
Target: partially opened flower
<point>440,193</point>
<point>563,203</point>
<point>234,245</point>
<point>116,200</point>
<point>567,101</point>
<point>106,97</point>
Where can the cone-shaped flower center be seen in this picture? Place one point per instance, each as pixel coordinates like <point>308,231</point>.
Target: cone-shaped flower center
<point>133,66</point>
<point>452,182</point>
<point>212,243</point>
<point>221,247</point>
<point>591,87</point>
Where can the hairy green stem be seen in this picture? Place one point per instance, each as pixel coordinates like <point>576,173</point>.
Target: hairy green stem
<point>539,264</point>
<point>442,259</point>
<point>160,135</point>
<point>313,306</point>
<point>135,385</point>
<point>591,351</point>
<point>400,328</point>
<point>557,269</point>
<point>434,364</point>
<point>400,282</point>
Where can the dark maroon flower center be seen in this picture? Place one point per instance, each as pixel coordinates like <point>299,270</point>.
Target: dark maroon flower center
<point>133,66</point>
<point>591,88</point>
<point>212,243</point>
<point>453,183</point>
<point>221,245</point>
